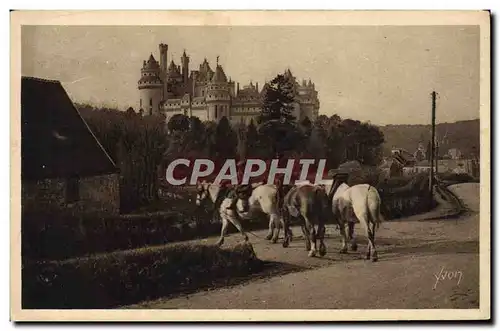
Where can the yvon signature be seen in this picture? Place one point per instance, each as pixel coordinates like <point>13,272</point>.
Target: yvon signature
<point>445,275</point>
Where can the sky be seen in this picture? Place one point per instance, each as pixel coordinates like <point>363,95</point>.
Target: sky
<point>381,74</point>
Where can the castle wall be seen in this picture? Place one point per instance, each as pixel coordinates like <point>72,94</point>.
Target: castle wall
<point>243,119</point>
<point>150,99</point>
<point>201,113</point>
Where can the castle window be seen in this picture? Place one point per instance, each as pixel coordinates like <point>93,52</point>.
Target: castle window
<point>140,103</point>
<point>150,101</point>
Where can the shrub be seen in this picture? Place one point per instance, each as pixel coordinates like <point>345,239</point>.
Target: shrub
<point>451,178</point>
<point>63,236</point>
<point>56,237</point>
<point>405,196</point>
<point>129,277</point>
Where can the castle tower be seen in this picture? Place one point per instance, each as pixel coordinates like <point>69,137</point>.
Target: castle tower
<point>163,66</point>
<point>150,86</point>
<point>218,97</point>
<point>185,67</point>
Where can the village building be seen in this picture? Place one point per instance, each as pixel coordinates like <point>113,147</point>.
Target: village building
<point>454,153</point>
<point>64,168</point>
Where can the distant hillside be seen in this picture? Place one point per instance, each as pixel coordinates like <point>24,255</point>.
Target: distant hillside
<point>463,135</point>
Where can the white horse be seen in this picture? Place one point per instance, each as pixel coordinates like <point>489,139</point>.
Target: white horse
<point>263,200</point>
<point>359,203</point>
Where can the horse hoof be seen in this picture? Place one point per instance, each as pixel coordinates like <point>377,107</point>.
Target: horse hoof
<point>374,259</point>
<point>286,244</point>
<point>274,241</point>
<point>343,251</point>
<point>246,238</point>
<point>269,236</point>
<point>354,247</point>
<point>322,252</point>
<point>312,254</point>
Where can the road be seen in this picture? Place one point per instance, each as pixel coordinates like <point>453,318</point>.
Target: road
<point>413,254</point>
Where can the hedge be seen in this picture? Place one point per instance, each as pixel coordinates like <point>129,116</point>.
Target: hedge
<point>450,178</point>
<point>405,196</point>
<point>123,278</point>
<point>64,236</point>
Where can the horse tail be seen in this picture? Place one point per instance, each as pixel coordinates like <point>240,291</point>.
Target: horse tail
<point>322,205</point>
<point>376,216</point>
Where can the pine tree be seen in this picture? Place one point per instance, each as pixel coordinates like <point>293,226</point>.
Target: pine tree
<point>278,99</point>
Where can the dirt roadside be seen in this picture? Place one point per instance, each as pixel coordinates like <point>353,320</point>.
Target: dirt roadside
<point>413,254</point>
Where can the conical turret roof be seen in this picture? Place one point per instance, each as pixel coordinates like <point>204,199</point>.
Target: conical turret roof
<point>152,63</point>
<point>219,75</point>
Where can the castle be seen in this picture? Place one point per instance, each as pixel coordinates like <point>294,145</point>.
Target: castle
<point>174,89</point>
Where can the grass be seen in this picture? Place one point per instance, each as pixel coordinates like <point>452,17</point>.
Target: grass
<point>123,278</point>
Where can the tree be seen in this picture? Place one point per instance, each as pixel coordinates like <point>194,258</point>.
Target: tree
<point>316,144</point>
<point>225,140</point>
<point>241,132</point>
<point>130,112</point>
<point>137,145</point>
<point>350,139</point>
<point>278,99</point>
<point>178,123</point>
<point>252,140</point>
<point>195,140</point>
<point>306,126</point>
<point>335,149</point>
<point>279,137</point>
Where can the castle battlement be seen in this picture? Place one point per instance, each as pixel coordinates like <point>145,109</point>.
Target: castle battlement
<point>172,89</point>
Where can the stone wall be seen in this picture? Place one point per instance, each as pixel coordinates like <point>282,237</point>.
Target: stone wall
<point>97,195</point>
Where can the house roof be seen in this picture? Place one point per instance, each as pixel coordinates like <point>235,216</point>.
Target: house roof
<point>55,139</point>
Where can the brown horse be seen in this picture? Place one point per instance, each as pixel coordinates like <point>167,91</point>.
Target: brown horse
<point>309,204</point>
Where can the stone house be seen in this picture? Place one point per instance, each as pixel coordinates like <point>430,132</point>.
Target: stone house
<point>64,168</point>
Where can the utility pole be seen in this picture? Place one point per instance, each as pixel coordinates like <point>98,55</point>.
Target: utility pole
<point>437,155</point>
<point>433,144</point>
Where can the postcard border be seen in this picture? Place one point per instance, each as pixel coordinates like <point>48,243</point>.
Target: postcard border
<point>265,17</point>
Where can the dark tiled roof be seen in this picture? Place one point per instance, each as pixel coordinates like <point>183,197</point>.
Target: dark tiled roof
<point>219,76</point>
<point>152,63</point>
<point>55,140</point>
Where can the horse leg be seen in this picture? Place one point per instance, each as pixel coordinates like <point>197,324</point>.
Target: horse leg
<point>368,231</point>
<point>311,232</point>
<point>237,224</point>
<point>354,245</point>
<point>305,233</point>
<point>321,237</point>
<point>288,233</point>
<point>343,236</point>
<point>222,231</point>
<point>271,229</point>
<point>274,218</point>
<point>374,255</point>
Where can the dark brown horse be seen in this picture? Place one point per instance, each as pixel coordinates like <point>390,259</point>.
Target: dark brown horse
<point>310,206</point>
